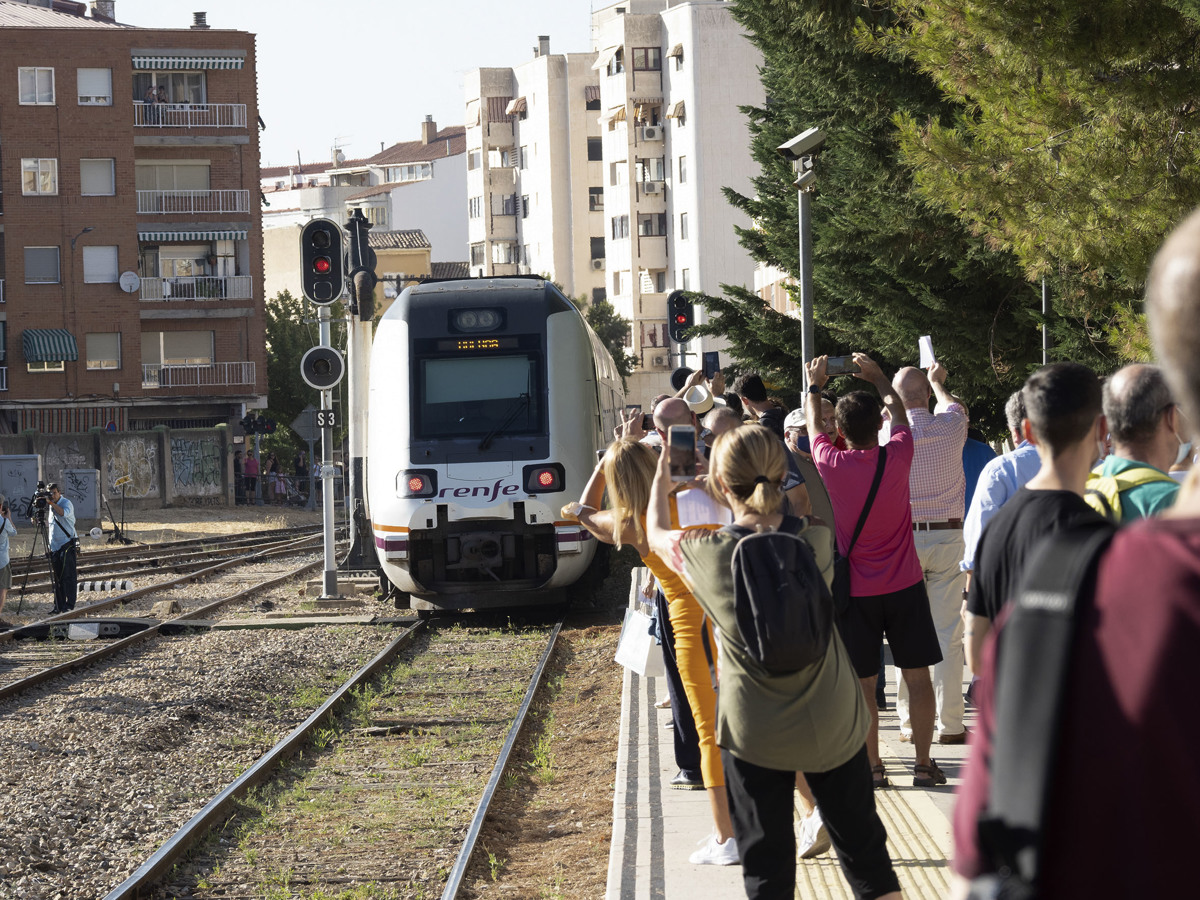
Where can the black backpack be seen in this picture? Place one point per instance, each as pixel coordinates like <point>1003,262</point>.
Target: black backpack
<point>783,608</point>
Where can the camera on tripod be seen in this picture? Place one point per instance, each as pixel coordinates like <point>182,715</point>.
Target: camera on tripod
<point>39,503</point>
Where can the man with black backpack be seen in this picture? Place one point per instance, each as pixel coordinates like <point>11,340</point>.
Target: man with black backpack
<point>1101,800</point>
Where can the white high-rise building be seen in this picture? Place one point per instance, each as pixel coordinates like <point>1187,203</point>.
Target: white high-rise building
<point>534,171</point>
<point>606,170</point>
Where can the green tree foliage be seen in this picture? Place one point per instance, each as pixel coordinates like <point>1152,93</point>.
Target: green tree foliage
<point>291,330</point>
<point>1073,142</point>
<point>887,267</point>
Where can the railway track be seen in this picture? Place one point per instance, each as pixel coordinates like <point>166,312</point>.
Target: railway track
<point>399,767</point>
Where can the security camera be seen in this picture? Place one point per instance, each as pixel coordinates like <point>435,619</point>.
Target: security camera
<point>804,144</point>
<point>804,181</point>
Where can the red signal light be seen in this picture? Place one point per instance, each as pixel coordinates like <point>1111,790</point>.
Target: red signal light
<point>416,484</point>
<point>681,318</point>
<point>322,265</point>
<point>546,478</point>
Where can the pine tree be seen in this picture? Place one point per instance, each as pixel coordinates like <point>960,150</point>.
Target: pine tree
<point>887,266</point>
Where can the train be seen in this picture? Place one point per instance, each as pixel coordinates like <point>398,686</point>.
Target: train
<point>488,400</point>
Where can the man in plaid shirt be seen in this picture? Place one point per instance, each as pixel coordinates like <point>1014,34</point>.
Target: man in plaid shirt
<point>937,487</point>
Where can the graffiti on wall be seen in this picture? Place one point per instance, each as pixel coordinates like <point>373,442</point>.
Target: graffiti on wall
<point>60,454</point>
<point>18,481</point>
<point>136,457</point>
<point>198,464</point>
<point>81,487</point>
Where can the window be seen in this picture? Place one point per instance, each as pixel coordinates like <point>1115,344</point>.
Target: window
<point>525,206</point>
<point>652,224</point>
<point>617,173</point>
<point>683,170</point>
<point>100,265</point>
<point>660,281</point>
<point>598,294</point>
<point>184,175</point>
<point>653,169</point>
<point>620,227</point>
<point>593,104</point>
<point>503,393</point>
<point>179,87</point>
<point>524,160</point>
<point>679,60</point>
<point>49,365</point>
<point>415,172</point>
<point>103,350</point>
<point>597,244</point>
<point>647,58</point>
<point>96,178</point>
<point>595,198</point>
<point>504,253</point>
<point>41,265</point>
<point>683,226</point>
<point>474,207</point>
<point>36,86</point>
<point>94,87</point>
<point>177,348</point>
<point>525,254</point>
<point>478,255</point>
<point>39,176</point>
<point>595,149</point>
<point>508,205</point>
<point>685,282</point>
<point>616,65</point>
<point>377,216</point>
<point>474,159</point>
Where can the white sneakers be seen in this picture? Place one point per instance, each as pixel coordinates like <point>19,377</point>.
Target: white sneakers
<point>714,854</point>
<point>813,839</point>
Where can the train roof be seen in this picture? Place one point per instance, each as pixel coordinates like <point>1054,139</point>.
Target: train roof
<point>482,290</point>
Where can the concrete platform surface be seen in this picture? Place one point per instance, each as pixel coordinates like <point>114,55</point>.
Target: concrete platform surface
<point>656,828</point>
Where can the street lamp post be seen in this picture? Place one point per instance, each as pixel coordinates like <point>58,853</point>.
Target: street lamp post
<point>802,151</point>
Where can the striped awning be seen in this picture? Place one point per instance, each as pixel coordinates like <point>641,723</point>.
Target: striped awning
<point>182,61</point>
<point>677,111</point>
<point>191,235</point>
<point>517,107</point>
<point>496,107</point>
<point>591,92</point>
<point>605,57</point>
<point>49,345</point>
<point>676,51</point>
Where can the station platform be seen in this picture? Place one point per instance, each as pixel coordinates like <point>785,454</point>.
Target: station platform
<point>656,828</point>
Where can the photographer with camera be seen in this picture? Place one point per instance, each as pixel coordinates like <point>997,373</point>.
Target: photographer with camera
<point>6,528</point>
<point>62,541</point>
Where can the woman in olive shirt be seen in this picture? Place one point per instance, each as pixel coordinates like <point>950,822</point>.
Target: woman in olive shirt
<point>771,726</point>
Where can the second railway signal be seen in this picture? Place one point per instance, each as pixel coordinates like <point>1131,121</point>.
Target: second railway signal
<point>681,315</point>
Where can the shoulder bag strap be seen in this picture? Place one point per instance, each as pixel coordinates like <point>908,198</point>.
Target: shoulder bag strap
<point>1033,657</point>
<point>862,519</point>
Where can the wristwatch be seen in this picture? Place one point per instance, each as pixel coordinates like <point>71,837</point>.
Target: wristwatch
<point>814,389</point>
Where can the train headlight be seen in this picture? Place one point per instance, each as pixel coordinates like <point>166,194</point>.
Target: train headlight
<point>544,478</point>
<point>476,320</point>
<point>417,483</point>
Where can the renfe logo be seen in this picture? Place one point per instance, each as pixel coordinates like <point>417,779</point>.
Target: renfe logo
<point>490,493</point>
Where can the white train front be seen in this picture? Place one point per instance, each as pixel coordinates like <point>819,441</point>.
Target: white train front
<point>488,401</point>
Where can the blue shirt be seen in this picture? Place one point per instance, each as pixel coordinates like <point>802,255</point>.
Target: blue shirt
<point>62,528</point>
<point>999,480</point>
<point>975,455</point>
<point>5,531</point>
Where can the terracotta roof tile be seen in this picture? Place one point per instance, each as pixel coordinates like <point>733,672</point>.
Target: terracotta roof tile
<point>450,269</point>
<point>410,239</point>
<point>449,141</point>
<point>22,15</point>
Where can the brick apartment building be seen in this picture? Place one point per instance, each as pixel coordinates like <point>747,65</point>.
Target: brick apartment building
<point>130,223</point>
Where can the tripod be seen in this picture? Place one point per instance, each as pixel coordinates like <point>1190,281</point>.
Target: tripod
<point>39,529</point>
<point>118,535</point>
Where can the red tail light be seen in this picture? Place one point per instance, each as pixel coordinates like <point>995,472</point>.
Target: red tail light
<point>544,478</point>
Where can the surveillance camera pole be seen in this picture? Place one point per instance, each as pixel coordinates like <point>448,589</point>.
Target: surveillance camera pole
<point>805,183</point>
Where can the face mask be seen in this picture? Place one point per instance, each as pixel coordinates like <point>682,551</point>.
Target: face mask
<point>1185,449</point>
<point>804,444</point>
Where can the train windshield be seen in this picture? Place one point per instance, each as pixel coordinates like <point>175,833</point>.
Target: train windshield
<point>482,396</point>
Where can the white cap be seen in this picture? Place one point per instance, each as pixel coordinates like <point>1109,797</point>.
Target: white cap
<point>699,399</point>
<point>795,419</point>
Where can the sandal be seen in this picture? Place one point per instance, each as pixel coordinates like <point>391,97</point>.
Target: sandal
<point>879,776</point>
<point>928,776</point>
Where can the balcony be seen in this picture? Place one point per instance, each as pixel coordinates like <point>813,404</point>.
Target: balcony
<point>189,115</point>
<point>217,374</point>
<point>200,287</point>
<point>168,202</point>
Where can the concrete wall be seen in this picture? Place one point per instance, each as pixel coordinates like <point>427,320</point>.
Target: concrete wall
<point>184,467</point>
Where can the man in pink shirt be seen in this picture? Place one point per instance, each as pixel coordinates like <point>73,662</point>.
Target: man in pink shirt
<point>937,487</point>
<point>887,585</point>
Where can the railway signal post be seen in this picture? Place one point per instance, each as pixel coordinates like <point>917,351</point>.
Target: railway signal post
<point>322,367</point>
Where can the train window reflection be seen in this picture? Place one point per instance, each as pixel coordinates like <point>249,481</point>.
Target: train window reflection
<point>479,395</point>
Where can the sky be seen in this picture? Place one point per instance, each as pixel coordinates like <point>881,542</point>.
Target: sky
<point>413,56</point>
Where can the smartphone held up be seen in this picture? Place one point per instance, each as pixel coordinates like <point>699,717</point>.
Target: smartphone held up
<point>681,450</point>
<point>841,365</point>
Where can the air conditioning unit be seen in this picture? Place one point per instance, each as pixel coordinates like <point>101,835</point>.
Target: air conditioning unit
<point>652,133</point>
<point>652,187</point>
<point>597,264</point>
<point>660,362</point>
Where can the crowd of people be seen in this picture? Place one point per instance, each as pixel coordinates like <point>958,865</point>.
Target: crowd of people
<point>927,538</point>
<point>267,481</point>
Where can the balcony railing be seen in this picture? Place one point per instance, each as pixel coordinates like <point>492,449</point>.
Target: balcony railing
<point>193,201</point>
<point>215,374</point>
<point>189,115</point>
<point>199,287</point>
